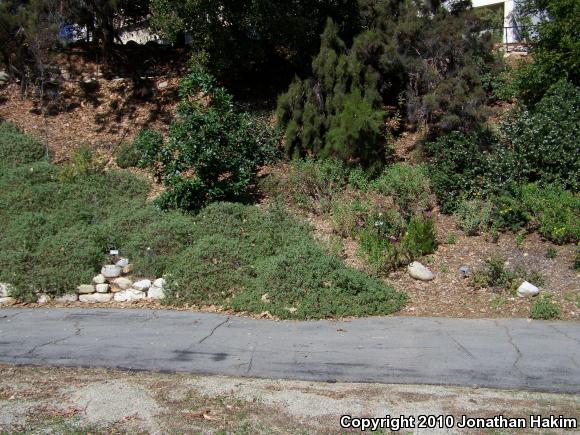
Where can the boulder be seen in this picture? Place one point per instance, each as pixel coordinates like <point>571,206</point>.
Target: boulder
<point>102,288</point>
<point>156,293</point>
<point>142,285</point>
<point>418,271</point>
<point>67,298</point>
<point>123,283</point>
<point>96,298</point>
<point>527,289</point>
<point>111,271</point>
<point>129,295</point>
<point>7,301</point>
<point>99,279</point>
<point>123,262</point>
<point>159,282</point>
<point>85,289</point>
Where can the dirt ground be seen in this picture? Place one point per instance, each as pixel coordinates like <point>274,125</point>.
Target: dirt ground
<point>66,400</point>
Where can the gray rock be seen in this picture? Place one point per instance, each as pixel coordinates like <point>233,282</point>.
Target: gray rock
<point>3,290</point>
<point>527,289</point>
<point>3,77</point>
<point>96,298</point>
<point>128,269</point>
<point>85,289</point>
<point>99,279</point>
<point>142,285</point>
<point>129,295</point>
<point>163,85</point>
<point>123,283</point>
<point>418,271</point>
<point>102,288</point>
<point>111,271</point>
<point>123,262</point>
<point>67,298</point>
<point>465,271</point>
<point>159,282</point>
<point>156,293</point>
<point>7,301</point>
<point>43,299</point>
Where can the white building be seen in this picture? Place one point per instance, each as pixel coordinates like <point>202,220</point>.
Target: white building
<point>509,31</point>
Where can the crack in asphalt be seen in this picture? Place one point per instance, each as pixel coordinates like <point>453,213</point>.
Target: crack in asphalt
<point>251,360</point>
<point>565,334</point>
<point>461,347</point>
<point>517,349</point>
<point>214,330</point>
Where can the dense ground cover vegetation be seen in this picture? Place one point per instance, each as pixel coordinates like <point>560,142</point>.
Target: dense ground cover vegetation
<point>57,230</point>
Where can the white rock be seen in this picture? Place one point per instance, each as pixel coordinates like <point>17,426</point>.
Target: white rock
<point>527,289</point>
<point>142,285</point>
<point>129,295</point>
<point>67,298</point>
<point>123,262</point>
<point>162,85</point>
<point>85,289</point>
<point>111,271</point>
<point>156,293</point>
<point>43,299</point>
<point>123,283</point>
<point>96,297</point>
<point>3,290</point>
<point>102,288</point>
<point>7,301</point>
<point>99,279</point>
<point>418,271</point>
<point>159,282</point>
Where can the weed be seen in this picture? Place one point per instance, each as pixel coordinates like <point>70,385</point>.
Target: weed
<point>543,308</point>
<point>451,239</point>
<point>551,253</point>
<point>474,217</point>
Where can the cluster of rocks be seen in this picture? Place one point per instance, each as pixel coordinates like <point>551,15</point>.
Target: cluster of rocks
<point>113,284</point>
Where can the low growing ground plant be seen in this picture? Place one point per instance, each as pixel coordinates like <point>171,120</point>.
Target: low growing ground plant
<point>496,276</point>
<point>543,308</point>
<point>56,233</point>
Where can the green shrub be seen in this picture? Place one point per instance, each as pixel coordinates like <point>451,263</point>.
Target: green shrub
<point>557,211</point>
<point>83,162</point>
<point>17,148</point>
<point>147,147</point>
<point>543,308</point>
<point>213,151</point>
<point>496,276</point>
<point>127,156</point>
<point>420,238</point>
<point>474,216</point>
<point>348,215</point>
<point>544,141</point>
<point>407,185</point>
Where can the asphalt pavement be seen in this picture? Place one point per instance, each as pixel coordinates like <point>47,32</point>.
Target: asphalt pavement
<point>502,353</point>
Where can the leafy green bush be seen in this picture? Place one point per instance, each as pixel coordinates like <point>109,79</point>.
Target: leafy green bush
<point>213,150</point>
<point>407,185</point>
<point>543,308</point>
<point>17,148</point>
<point>474,216</point>
<point>148,145</point>
<point>127,156</point>
<point>544,141</point>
